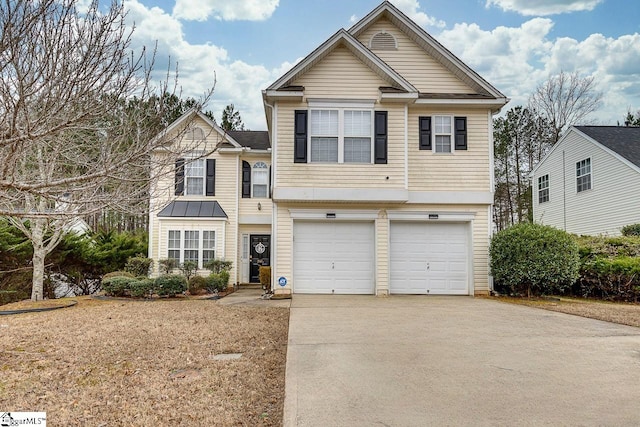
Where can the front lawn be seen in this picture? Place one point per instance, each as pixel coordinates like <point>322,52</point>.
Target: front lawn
<point>146,363</point>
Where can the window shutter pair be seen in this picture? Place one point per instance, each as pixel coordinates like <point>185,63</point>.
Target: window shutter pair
<point>210,181</point>
<point>460,133</point>
<point>300,137</point>
<point>246,180</point>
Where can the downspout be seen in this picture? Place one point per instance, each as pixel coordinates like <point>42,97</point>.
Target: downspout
<point>274,216</point>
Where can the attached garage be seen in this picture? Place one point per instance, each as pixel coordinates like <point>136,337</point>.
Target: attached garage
<point>333,257</point>
<point>429,258</point>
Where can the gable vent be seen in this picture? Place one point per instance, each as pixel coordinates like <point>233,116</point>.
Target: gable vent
<point>383,41</point>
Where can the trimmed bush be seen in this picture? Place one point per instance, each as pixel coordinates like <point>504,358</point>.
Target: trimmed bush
<point>142,288</point>
<point>197,284</point>
<point>631,230</point>
<point>117,274</point>
<point>218,265</point>
<point>138,265</point>
<point>189,269</point>
<point>534,259</point>
<point>265,277</point>
<point>117,286</point>
<point>170,285</point>
<point>217,282</point>
<point>167,265</point>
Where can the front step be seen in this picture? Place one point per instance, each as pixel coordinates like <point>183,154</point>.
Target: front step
<point>249,286</point>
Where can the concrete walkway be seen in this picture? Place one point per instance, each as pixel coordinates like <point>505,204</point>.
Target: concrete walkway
<point>459,361</point>
<point>252,296</point>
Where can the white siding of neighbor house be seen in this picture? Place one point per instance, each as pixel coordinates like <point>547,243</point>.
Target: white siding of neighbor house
<point>413,63</point>
<point>464,170</point>
<point>612,202</point>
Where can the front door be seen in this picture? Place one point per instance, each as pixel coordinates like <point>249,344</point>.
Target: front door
<point>260,255</point>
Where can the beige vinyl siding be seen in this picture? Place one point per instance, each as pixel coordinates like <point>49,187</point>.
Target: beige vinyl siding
<point>413,63</point>
<point>347,175</point>
<point>249,206</point>
<point>479,269</point>
<point>340,72</point>
<point>464,170</point>
<point>606,208</point>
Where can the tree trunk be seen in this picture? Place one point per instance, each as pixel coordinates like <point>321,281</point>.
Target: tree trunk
<point>39,254</point>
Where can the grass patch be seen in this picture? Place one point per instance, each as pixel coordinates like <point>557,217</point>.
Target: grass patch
<point>146,363</point>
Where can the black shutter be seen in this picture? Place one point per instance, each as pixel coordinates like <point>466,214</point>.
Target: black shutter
<point>461,133</point>
<point>380,139</point>
<point>300,137</point>
<point>179,177</point>
<point>424,132</point>
<point>211,177</point>
<point>246,180</point>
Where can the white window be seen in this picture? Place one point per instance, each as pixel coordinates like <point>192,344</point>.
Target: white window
<point>443,133</point>
<point>208,246</point>
<point>191,245</point>
<point>174,245</point>
<point>260,179</point>
<point>194,177</point>
<point>583,175</point>
<point>341,136</point>
<point>543,189</point>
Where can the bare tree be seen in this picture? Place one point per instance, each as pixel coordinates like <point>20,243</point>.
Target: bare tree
<point>564,100</point>
<point>76,125</point>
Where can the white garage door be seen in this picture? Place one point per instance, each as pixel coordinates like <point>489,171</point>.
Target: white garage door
<point>333,257</point>
<point>429,258</point>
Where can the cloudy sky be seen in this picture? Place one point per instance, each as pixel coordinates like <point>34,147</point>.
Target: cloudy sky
<point>514,44</point>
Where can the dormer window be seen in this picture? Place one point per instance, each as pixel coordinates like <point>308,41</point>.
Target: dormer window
<point>383,41</point>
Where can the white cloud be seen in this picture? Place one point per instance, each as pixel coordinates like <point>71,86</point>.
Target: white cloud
<point>226,10</point>
<point>411,9</point>
<point>353,19</point>
<point>543,7</point>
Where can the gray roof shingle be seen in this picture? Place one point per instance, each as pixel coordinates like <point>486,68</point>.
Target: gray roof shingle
<point>624,140</point>
<point>254,139</point>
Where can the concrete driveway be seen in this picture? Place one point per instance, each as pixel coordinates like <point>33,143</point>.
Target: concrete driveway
<point>459,361</point>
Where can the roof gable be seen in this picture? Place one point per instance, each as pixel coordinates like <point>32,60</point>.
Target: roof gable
<point>180,124</point>
<point>441,54</point>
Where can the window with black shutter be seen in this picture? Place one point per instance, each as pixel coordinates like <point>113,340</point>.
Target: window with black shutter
<point>246,180</point>
<point>179,178</point>
<point>424,129</point>
<point>211,177</point>
<point>380,137</point>
<point>300,137</point>
<point>461,133</point>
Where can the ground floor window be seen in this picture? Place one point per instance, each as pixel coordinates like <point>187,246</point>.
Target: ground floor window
<point>191,245</point>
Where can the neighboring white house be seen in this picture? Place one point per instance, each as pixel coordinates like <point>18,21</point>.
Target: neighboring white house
<point>589,183</point>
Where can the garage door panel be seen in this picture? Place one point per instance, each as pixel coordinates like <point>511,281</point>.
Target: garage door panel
<point>442,247</point>
<point>334,257</point>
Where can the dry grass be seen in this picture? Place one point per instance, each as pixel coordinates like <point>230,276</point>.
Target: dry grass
<point>622,313</point>
<point>106,363</point>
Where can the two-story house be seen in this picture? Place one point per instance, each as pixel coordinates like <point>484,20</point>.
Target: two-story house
<point>382,165</point>
<point>380,170</point>
<point>213,200</point>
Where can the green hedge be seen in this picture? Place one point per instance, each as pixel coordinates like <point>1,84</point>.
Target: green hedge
<point>533,259</point>
<point>217,282</point>
<point>117,286</point>
<point>170,285</point>
<point>631,230</point>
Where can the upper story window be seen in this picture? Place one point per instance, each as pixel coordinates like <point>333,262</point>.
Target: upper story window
<point>260,179</point>
<point>194,177</point>
<point>341,136</point>
<point>443,134</point>
<point>195,133</point>
<point>383,41</point>
<point>583,175</point>
<point>543,189</point>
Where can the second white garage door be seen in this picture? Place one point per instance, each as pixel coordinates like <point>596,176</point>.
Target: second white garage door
<point>333,257</point>
<point>428,258</point>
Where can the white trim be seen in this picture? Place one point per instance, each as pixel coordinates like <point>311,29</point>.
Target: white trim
<point>287,94</point>
<point>492,167</point>
<point>340,214</point>
<point>237,213</point>
<point>423,216</point>
<point>451,197</point>
<point>284,194</point>
<point>333,104</point>
<point>406,147</point>
<point>410,96</point>
<point>274,206</point>
<point>464,102</point>
<point>254,219</point>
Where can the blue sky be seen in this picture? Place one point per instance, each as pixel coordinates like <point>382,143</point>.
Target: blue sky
<point>514,45</point>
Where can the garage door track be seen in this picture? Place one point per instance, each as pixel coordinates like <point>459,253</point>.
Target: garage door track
<point>428,360</point>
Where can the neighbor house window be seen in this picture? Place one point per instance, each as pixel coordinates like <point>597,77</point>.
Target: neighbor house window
<point>341,136</point>
<point>583,175</point>
<point>208,246</point>
<point>260,179</point>
<point>194,177</point>
<point>543,189</point>
<point>191,245</point>
<point>443,131</point>
<point>174,245</point>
